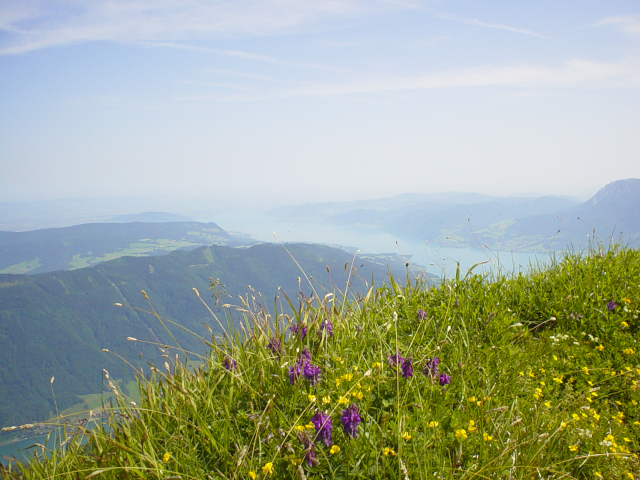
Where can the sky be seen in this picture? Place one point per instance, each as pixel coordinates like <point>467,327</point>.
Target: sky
<point>287,102</point>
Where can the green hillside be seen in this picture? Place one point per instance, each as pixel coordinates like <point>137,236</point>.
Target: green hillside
<point>534,376</point>
<point>79,246</point>
<point>56,324</point>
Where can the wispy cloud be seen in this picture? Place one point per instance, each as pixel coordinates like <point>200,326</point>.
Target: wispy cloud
<point>576,73</point>
<point>473,21</point>
<point>50,23</point>
<point>627,24</point>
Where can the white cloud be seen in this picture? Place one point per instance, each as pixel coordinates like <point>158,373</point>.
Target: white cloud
<point>473,21</point>
<point>44,24</point>
<point>627,24</point>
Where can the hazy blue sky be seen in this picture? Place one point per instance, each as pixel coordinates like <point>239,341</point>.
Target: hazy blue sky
<point>301,101</point>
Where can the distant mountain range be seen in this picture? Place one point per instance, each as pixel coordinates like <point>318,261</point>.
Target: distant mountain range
<point>513,223</point>
<point>56,324</point>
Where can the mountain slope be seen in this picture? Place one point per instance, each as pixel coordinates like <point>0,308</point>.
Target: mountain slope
<point>64,248</point>
<point>56,324</point>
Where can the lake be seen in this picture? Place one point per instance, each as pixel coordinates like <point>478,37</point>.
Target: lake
<point>440,261</point>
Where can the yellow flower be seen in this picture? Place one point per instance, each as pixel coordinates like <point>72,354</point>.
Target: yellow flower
<point>347,376</point>
<point>433,424</point>
<point>538,394</point>
<point>334,449</point>
<point>166,457</point>
<point>376,365</point>
<point>486,437</point>
<point>573,448</point>
<point>555,358</point>
<point>585,370</point>
<point>563,424</point>
<point>462,434</point>
<point>575,416</point>
<point>252,475</point>
<point>598,474</point>
<point>300,428</point>
<point>558,379</point>
<point>624,324</point>
<point>312,398</point>
<point>547,404</point>
<point>472,399</point>
<point>267,469</point>
<point>626,300</point>
<point>406,436</point>
<point>472,426</point>
<point>339,360</point>
<point>628,351</point>
<point>600,347</point>
<point>343,401</point>
<point>309,426</point>
<point>326,399</point>
<point>630,475</point>
<point>386,451</point>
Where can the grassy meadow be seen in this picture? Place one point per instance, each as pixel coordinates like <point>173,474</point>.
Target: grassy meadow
<point>493,376</point>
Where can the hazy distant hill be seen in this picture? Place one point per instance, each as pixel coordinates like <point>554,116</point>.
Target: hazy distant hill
<point>452,219</point>
<point>155,217</point>
<point>56,324</point>
<point>613,212</point>
<point>64,248</point>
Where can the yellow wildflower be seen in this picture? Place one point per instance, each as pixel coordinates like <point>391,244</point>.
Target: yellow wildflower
<point>486,437</point>
<point>376,365</point>
<point>252,475</point>
<point>558,379</point>
<point>326,399</point>
<point>598,474</point>
<point>628,351</point>
<point>433,424</point>
<point>267,469</point>
<point>547,404</point>
<point>462,434</point>
<point>386,451</point>
<point>343,401</point>
<point>300,428</point>
<point>624,324</point>
<point>573,448</point>
<point>334,449</point>
<point>406,436</point>
<point>472,399</point>
<point>309,426</point>
<point>472,426</point>
<point>166,457</point>
<point>312,398</point>
<point>555,358</point>
<point>600,347</point>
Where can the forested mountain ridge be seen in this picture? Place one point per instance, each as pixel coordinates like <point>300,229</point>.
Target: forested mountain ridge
<point>57,323</point>
<point>46,250</point>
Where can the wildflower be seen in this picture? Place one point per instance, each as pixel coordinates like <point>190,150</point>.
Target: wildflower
<point>350,420</point>
<point>299,329</point>
<point>407,367</point>
<point>322,422</point>
<point>334,449</point>
<point>598,474</point>
<point>312,373</point>
<point>611,306</point>
<point>472,426</point>
<point>395,360</point>
<point>471,399</point>
<point>326,326</point>
<point>486,437</point>
<point>275,345</point>
<point>166,457</point>
<point>462,434</point>
<point>326,399</point>
<point>307,443</point>
<point>433,424</point>
<point>547,404</point>
<point>422,314</point>
<point>573,448</point>
<point>252,475</point>
<point>343,400</point>
<point>312,398</point>
<point>406,436</point>
<point>624,324</point>
<point>558,379</point>
<point>376,365</point>
<point>267,469</point>
<point>444,379</point>
<point>229,363</point>
<point>431,368</point>
<point>628,351</point>
<point>386,451</point>
<point>538,394</point>
<point>626,300</point>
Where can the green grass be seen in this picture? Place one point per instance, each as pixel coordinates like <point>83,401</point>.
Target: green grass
<point>22,267</point>
<point>544,384</point>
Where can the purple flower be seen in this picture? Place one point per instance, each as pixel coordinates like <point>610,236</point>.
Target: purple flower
<point>229,363</point>
<point>611,306</point>
<point>299,328</point>
<point>275,346</point>
<point>431,368</point>
<point>407,367</point>
<point>322,422</point>
<point>311,372</point>
<point>294,373</point>
<point>422,314</point>
<point>395,360</point>
<point>350,420</point>
<point>444,379</point>
<point>309,453</point>
<point>304,367</point>
<point>326,326</point>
